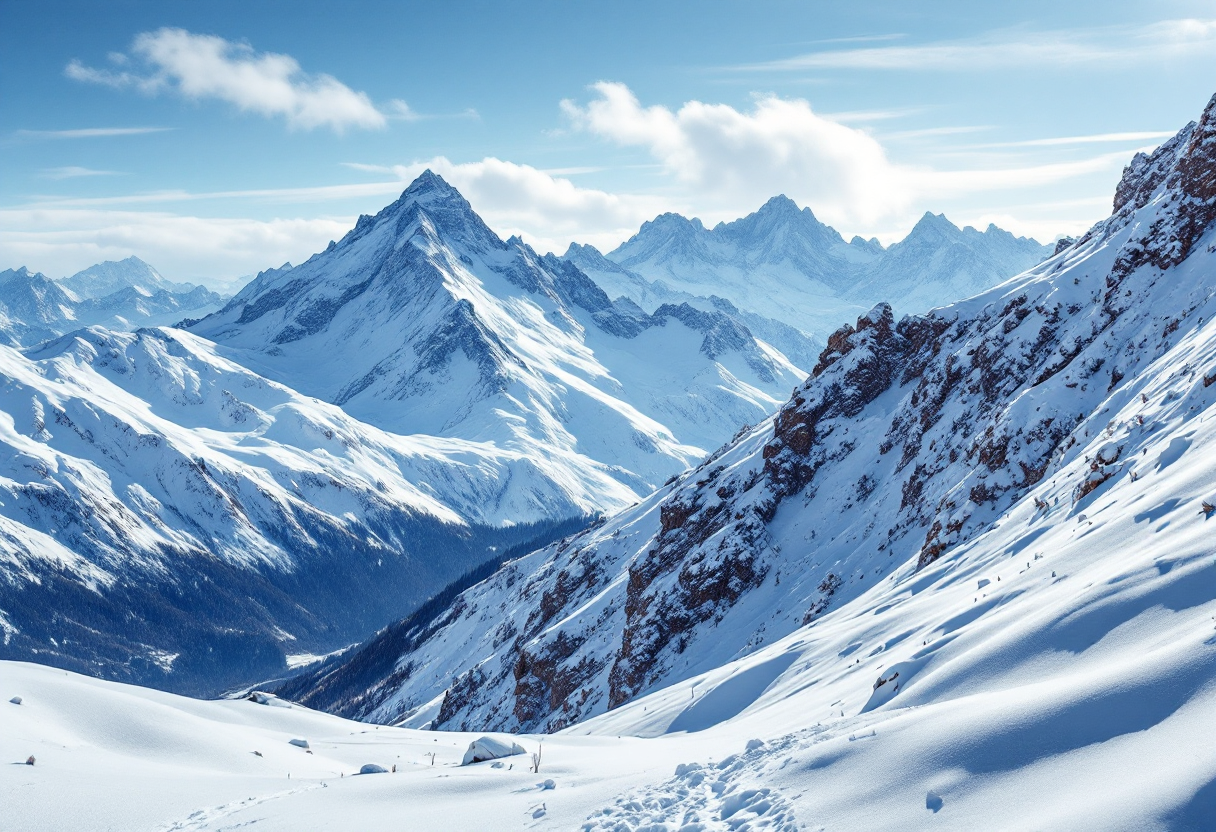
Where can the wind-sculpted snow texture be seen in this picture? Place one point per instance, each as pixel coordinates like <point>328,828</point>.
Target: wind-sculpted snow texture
<point>1057,395</point>
<point>421,320</point>
<point>786,268</point>
<point>169,517</point>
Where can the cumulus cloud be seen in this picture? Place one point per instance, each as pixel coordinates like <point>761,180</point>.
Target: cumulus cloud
<point>266,83</point>
<point>729,157</point>
<point>547,210</point>
<point>729,161</point>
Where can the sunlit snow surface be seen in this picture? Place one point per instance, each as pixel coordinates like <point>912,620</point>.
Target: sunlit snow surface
<point>1077,692</point>
<point>1074,690</point>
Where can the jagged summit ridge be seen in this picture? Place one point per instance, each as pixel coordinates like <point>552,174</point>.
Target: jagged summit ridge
<point>782,263</point>
<point>430,206</point>
<point>422,320</point>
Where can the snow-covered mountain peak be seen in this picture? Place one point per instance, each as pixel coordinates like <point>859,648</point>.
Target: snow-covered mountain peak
<point>34,300</point>
<point>782,263</point>
<point>779,217</point>
<point>924,452</point>
<point>932,228</point>
<point>422,320</point>
<point>111,276</point>
<point>435,209</point>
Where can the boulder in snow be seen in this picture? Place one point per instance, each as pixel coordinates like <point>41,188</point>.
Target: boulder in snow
<point>299,743</point>
<point>263,698</point>
<point>16,700</point>
<point>372,768</point>
<point>490,748</point>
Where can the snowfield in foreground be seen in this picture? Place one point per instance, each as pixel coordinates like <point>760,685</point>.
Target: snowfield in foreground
<point>1042,676</point>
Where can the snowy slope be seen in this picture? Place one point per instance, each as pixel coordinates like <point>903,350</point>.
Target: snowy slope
<point>1016,711</point>
<point>1061,422</point>
<point>32,307</point>
<point>421,320</point>
<point>782,263</point>
<point>191,523</point>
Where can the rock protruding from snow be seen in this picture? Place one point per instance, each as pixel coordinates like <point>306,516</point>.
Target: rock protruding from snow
<point>488,748</point>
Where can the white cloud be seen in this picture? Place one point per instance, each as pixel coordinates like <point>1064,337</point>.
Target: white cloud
<point>1097,138</point>
<point>266,83</point>
<point>714,161</point>
<point>91,132</point>
<point>1018,49</point>
<point>730,158</point>
<point>547,210</point>
<point>62,236</point>
<point>61,241</point>
<point>934,183</point>
<point>75,172</point>
<point>728,161</point>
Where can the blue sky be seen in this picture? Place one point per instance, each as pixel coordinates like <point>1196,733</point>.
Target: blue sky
<point>215,139</point>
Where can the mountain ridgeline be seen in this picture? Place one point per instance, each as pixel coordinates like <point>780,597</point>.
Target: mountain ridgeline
<point>279,474</point>
<point>783,266</point>
<point>119,295</point>
<point>1034,405</point>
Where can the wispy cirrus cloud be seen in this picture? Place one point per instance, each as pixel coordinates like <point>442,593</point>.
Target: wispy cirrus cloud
<point>75,172</point>
<point>90,132</point>
<point>266,83</point>
<point>1096,138</point>
<point>997,50</point>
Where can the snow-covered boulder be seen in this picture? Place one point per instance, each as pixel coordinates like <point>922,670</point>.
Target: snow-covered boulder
<point>263,698</point>
<point>490,748</point>
<point>298,743</point>
<point>372,768</point>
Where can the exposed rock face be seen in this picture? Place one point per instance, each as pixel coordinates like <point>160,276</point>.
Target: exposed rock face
<point>911,438</point>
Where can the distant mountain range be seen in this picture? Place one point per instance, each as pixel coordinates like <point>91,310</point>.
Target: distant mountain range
<point>114,275</point>
<point>120,295</point>
<point>291,468</point>
<point>783,264</point>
